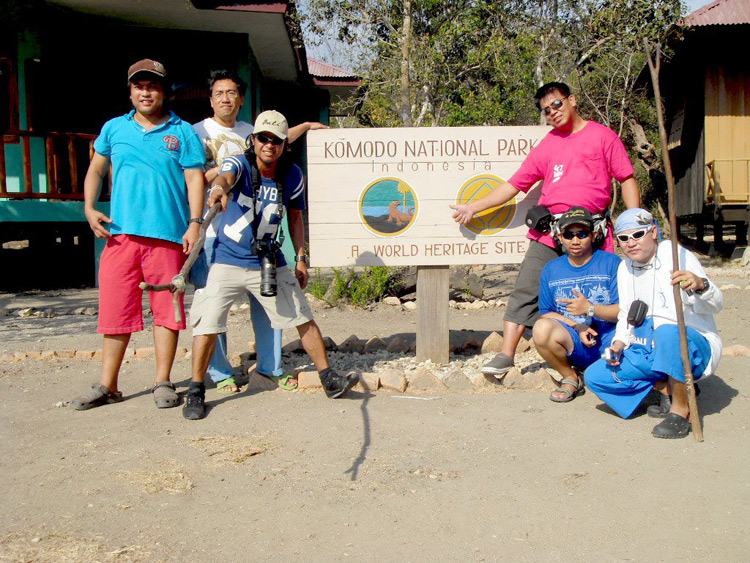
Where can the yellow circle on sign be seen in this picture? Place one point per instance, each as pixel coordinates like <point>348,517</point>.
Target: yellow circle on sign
<point>494,219</point>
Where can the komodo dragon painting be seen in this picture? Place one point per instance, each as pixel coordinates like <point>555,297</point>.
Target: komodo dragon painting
<point>399,217</point>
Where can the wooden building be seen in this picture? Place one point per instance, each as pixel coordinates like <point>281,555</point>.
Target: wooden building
<point>706,89</point>
<point>62,75</point>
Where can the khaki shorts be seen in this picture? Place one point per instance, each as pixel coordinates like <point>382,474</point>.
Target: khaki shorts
<point>226,284</point>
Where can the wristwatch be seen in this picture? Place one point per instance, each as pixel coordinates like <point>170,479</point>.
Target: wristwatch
<point>302,258</point>
<point>198,220</point>
<point>590,312</point>
<point>705,287</point>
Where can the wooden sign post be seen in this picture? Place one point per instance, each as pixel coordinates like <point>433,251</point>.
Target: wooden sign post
<point>380,197</point>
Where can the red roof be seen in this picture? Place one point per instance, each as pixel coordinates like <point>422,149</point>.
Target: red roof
<point>319,69</point>
<point>720,12</point>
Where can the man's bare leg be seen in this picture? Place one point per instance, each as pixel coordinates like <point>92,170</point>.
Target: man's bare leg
<point>312,342</point>
<point>512,334</point>
<point>334,385</point>
<point>679,398</point>
<point>165,344</point>
<point>113,351</point>
<point>553,343</point>
<point>203,349</point>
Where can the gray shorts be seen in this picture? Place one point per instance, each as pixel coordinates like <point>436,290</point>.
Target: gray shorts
<point>523,305</point>
<point>226,284</point>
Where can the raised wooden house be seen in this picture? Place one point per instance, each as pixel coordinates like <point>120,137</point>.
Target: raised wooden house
<point>706,90</point>
<point>62,75</point>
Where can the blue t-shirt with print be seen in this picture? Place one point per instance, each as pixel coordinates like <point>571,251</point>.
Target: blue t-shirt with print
<point>596,281</point>
<point>235,226</point>
<point>149,196</point>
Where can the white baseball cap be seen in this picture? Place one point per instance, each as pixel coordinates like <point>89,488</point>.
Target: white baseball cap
<point>272,122</point>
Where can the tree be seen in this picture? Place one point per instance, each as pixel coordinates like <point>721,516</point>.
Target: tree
<point>478,62</point>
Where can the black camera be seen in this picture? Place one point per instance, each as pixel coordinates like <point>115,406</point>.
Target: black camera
<point>637,313</point>
<point>266,251</point>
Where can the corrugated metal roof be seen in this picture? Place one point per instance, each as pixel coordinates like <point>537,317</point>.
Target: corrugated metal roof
<point>320,69</point>
<point>720,12</point>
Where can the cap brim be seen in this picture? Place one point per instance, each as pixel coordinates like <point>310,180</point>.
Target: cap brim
<point>161,76</point>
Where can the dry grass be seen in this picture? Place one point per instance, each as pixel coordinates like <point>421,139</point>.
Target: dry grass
<point>231,450</point>
<point>57,548</point>
<point>170,479</point>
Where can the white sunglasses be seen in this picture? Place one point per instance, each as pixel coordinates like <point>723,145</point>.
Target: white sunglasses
<point>636,235</point>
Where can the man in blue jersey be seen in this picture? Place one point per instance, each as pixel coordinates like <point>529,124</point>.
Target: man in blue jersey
<point>578,303</point>
<point>264,186</point>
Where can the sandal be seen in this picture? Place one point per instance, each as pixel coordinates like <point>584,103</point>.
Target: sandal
<point>165,395</point>
<point>567,394</point>
<point>99,395</point>
<point>288,382</point>
<point>228,385</point>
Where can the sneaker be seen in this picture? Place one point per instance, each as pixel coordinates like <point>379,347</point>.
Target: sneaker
<point>673,426</point>
<point>336,385</point>
<point>662,409</point>
<point>99,395</point>
<point>195,402</point>
<point>499,365</point>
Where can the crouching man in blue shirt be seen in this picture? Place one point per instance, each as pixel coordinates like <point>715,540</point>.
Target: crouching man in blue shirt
<point>264,186</point>
<point>578,303</point>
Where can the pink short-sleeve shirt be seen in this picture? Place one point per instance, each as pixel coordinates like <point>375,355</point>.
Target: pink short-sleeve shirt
<point>576,168</point>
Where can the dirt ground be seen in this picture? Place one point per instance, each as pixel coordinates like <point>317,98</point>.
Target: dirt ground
<point>292,476</point>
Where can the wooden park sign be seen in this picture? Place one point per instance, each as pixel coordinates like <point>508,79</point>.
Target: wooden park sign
<point>380,197</point>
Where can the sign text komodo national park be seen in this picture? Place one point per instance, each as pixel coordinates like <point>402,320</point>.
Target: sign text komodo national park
<point>381,196</point>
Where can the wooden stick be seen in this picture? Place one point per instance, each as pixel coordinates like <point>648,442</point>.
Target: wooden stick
<point>177,285</point>
<point>654,68</point>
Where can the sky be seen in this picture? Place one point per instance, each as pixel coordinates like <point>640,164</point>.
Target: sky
<point>695,4</point>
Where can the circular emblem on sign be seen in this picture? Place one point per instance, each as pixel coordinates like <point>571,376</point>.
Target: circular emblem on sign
<point>388,207</point>
<point>494,219</point>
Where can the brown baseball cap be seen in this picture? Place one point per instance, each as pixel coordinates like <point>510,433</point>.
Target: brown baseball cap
<point>147,65</point>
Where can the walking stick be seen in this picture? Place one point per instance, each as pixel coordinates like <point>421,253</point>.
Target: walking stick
<point>178,283</point>
<point>695,420</point>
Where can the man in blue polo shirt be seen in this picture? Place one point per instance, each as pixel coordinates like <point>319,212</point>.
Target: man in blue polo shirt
<point>155,221</point>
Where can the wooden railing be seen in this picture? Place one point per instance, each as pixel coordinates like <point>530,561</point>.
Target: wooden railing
<point>66,159</point>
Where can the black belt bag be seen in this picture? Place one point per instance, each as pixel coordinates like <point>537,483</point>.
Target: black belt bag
<point>539,218</point>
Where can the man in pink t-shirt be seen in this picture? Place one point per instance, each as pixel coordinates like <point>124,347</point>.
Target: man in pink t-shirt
<point>577,161</point>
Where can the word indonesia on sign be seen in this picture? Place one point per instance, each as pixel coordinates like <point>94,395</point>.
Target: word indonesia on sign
<point>380,197</point>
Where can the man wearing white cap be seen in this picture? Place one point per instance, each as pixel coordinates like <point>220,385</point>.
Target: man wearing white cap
<point>644,353</point>
<point>223,135</point>
<point>264,185</point>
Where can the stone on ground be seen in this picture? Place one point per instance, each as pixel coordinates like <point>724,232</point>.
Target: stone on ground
<point>352,345</point>
<point>493,344</point>
<point>375,344</point>
<point>308,380</point>
<point>394,380</point>
<point>456,380</point>
<point>514,379</point>
<point>368,381</point>
<point>398,345</point>
<point>425,380</point>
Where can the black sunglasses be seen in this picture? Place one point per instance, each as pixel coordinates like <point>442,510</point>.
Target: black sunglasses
<point>636,235</point>
<point>581,235</point>
<point>556,105</point>
<point>264,140</point>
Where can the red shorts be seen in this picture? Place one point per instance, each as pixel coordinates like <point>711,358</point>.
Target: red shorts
<point>127,261</point>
